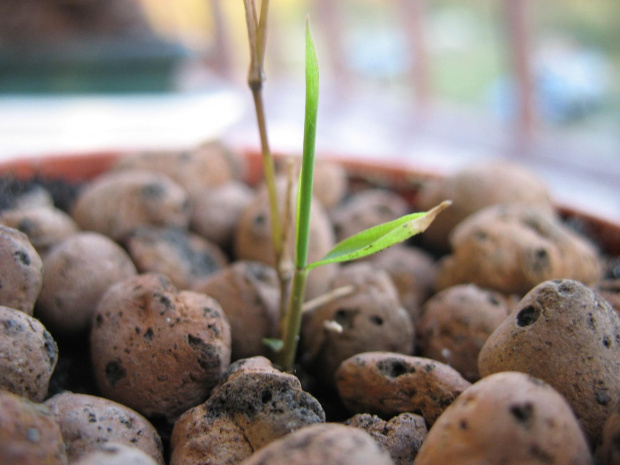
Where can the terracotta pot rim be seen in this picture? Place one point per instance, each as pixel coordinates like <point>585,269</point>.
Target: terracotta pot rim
<point>82,166</point>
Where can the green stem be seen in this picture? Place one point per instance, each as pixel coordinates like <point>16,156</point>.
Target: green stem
<point>286,357</point>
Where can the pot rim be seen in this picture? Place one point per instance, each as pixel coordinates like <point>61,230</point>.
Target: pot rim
<point>404,178</point>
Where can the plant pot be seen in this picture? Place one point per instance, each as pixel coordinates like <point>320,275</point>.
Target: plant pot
<point>406,181</point>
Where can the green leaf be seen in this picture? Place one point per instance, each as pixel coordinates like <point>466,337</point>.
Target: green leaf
<point>304,193</point>
<point>274,344</point>
<point>380,237</point>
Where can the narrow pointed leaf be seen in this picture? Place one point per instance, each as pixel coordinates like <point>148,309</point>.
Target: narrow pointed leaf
<point>380,237</point>
<point>304,194</point>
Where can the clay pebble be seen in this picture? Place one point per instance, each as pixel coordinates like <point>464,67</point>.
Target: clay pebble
<point>567,335</point>
<point>87,421</point>
<point>28,355</point>
<point>156,349</point>
<point>209,164</point>
<point>254,405</point>
<point>111,453</point>
<point>509,418</point>
<point>116,203</point>
<point>387,384</point>
<point>45,226</point>
<point>331,443</point>
<point>474,188</point>
<point>512,248</point>
<point>185,258</point>
<point>456,323</point>
<point>29,433</point>
<point>401,436</point>
<point>21,271</point>
<point>413,272</point>
<point>249,293</point>
<point>216,211</point>
<point>76,273</point>
<point>371,318</point>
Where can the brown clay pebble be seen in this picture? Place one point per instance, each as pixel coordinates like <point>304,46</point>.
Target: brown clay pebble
<point>366,208</point>
<point>253,238</point>
<point>210,164</point>
<point>21,271</point>
<point>118,202</point>
<point>254,405</point>
<point>44,226</point>
<point>385,384</point>
<point>28,355</point>
<point>512,248</point>
<point>455,324</point>
<point>508,418</point>
<point>401,436</point>
<point>87,421</point>
<point>328,443</point>
<point>76,273</point>
<point>216,211</point>
<point>111,453</point>
<point>475,187</point>
<point>413,272</point>
<point>608,452</point>
<point>158,350</point>
<point>249,293</point>
<point>29,434</point>
<point>567,335</point>
<point>371,318</point>
<point>331,183</point>
<point>184,257</point>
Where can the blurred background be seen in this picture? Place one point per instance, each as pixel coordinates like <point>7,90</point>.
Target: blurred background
<point>433,83</point>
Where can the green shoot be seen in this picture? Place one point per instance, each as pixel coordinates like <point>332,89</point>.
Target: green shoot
<point>292,321</point>
<point>365,243</point>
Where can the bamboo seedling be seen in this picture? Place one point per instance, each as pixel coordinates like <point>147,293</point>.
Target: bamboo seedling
<point>365,243</point>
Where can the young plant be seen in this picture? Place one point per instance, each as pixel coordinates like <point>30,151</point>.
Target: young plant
<point>359,245</point>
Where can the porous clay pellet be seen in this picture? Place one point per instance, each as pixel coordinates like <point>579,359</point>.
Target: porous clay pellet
<point>254,405</point>
<point>476,187</point>
<point>28,355</point>
<point>413,272</point>
<point>29,433</point>
<point>77,272</point>
<point>216,211</point>
<point>21,271</point>
<point>328,443</point>
<point>249,293</point>
<point>111,453</point>
<point>118,202</point>
<point>567,335</point>
<point>156,349</point>
<point>45,226</point>
<point>386,383</point>
<point>512,248</point>
<point>455,324</point>
<point>401,435</point>
<point>185,258</point>
<point>370,318</point>
<point>508,418</point>
<point>210,164</point>
<point>88,421</point>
